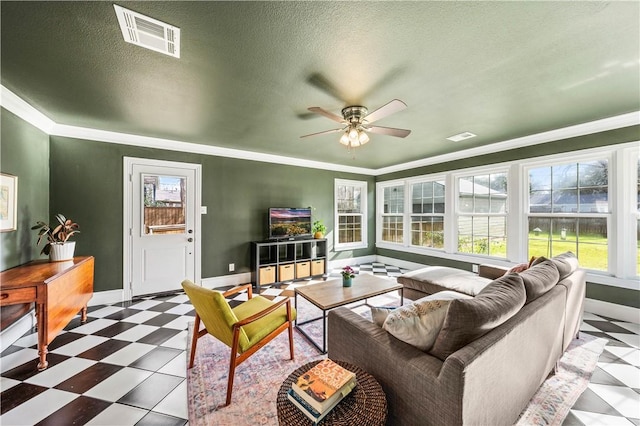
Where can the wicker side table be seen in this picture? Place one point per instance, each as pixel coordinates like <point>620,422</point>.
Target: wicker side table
<point>366,405</point>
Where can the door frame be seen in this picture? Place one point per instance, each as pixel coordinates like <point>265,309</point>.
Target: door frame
<point>127,217</point>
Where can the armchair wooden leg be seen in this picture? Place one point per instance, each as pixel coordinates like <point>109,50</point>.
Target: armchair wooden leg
<point>232,363</point>
<point>291,340</point>
<point>194,340</point>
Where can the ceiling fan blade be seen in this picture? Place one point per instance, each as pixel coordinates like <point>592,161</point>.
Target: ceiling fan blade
<point>327,114</point>
<point>385,110</point>
<point>390,131</point>
<point>323,133</point>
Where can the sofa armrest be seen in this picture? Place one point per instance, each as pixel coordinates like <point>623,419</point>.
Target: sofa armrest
<point>405,373</point>
<point>491,271</point>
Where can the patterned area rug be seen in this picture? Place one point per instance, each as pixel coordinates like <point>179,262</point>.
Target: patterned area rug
<point>553,400</point>
<point>258,379</point>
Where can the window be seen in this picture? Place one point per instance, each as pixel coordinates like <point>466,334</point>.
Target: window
<point>351,214</point>
<point>482,214</point>
<point>427,214</point>
<point>393,214</point>
<point>569,211</point>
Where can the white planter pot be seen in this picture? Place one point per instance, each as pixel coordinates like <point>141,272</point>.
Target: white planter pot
<point>62,251</point>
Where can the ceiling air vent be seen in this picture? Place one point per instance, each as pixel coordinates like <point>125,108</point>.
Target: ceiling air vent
<point>461,136</point>
<point>148,32</point>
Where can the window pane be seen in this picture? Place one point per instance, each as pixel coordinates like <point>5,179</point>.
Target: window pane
<point>540,201</point>
<point>427,231</point>
<point>465,195</point>
<point>348,198</point>
<point>564,176</point>
<point>164,204</point>
<point>593,173</point>
<point>465,234</point>
<point>394,199</point>
<point>540,179</point>
<point>349,229</point>
<point>594,199</point>
<point>565,201</point>
<point>392,229</point>
<point>586,237</point>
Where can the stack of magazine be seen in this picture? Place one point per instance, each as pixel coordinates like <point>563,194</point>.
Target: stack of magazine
<point>320,389</point>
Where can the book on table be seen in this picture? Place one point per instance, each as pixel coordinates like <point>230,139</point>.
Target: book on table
<point>324,385</point>
<point>307,409</point>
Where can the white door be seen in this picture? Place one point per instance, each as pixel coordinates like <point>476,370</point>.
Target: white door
<point>163,225</point>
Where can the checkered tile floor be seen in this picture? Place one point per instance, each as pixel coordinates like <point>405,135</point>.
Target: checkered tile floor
<point>127,365</point>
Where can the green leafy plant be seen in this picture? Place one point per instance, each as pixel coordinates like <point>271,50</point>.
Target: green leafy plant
<point>318,226</point>
<point>60,234</point>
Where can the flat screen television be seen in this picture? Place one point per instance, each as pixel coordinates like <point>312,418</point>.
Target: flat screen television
<point>289,223</point>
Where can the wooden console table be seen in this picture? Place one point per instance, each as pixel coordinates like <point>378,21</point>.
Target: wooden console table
<point>59,290</point>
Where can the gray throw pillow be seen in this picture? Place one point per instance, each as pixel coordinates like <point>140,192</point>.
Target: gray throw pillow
<point>539,279</point>
<point>469,319</point>
<point>566,263</point>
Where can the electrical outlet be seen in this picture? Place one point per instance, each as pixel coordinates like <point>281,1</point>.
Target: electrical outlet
<point>232,267</point>
<point>474,268</point>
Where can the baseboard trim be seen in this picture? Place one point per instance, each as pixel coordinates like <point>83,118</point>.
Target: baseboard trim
<point>612,310</point>
<point>227,280</point>
<point>9,335</point>
<point>399,263</point>
<point>106,297</point>
<point>341,263</point>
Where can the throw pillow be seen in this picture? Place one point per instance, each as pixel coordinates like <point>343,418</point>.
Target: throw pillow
<point>517,269</point>
<point>566,263</point>
<point>418,323</point>
<point>469,319</point>
<point>380,313</point>
<point>539,279</point>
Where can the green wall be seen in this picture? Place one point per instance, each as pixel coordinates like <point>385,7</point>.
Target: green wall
<point>86,185</point>
<point>24,152</point>
<point>606,293</point>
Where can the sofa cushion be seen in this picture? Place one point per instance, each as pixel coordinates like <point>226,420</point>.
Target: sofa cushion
<point>418,323</point>
<point>433,279</point>
<point>468,319</point>
<point>539,279</point>
<point>566,263</point>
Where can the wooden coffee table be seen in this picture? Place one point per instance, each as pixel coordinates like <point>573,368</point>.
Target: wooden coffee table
<point>331,294</point>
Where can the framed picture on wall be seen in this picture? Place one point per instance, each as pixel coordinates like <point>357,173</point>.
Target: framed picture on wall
<point>8,202</point>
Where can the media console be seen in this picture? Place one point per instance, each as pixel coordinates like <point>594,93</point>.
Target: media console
<point>278,261</point>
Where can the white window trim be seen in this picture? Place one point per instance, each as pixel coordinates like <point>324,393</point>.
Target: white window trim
<point>337,246</point>
<point>623,246</point>
<point>509,214</point>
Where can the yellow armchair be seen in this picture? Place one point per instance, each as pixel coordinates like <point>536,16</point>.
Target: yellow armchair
<point>245,328</point>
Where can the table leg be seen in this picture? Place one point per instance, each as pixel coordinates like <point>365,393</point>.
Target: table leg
<point>324,331</point>
<point>83,314</point>
<point>42,340</point>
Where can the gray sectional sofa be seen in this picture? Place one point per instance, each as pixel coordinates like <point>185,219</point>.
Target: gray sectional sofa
<point>488,380</point>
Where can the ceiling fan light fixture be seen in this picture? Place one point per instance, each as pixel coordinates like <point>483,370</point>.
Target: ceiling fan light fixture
<point>363,138</point>
<point>344,139</point>
<point>353,134</point>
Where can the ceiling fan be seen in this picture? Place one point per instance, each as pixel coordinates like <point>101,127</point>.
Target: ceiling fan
<point>356,122</point>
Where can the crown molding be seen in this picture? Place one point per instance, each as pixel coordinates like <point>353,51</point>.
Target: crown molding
<point>22,109</point>
<point>602,125</point>
<point>12,102</point>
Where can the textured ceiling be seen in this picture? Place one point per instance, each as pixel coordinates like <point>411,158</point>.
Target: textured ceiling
<point>249,70</point>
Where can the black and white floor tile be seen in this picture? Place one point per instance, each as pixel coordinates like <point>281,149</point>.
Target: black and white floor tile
<point>127,366</point>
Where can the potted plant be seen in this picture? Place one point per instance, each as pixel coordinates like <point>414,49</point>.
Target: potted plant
<point>57,246</point>
<point>318,229</point>
<point>348,274</point>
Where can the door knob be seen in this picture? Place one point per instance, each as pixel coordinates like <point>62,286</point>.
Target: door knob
<point>190,240</point>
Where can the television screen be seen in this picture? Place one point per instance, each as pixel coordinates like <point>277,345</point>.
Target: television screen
<point>289,222</point>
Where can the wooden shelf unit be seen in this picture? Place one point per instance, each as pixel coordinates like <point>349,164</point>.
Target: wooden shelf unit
<point>287,260</point>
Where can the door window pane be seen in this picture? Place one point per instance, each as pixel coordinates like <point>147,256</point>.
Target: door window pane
<point>164,204</point>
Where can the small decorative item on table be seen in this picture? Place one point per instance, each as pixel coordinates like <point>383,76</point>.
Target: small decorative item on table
<point>348,274</point>
<point>365,405</point>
